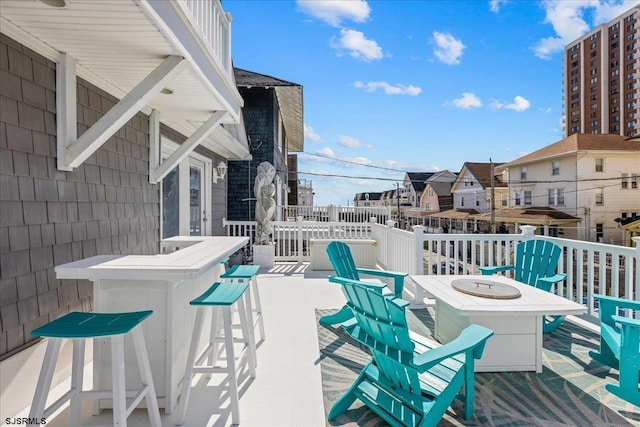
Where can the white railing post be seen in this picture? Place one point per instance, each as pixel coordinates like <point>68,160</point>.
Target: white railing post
<point>418,267</point>
<point>299,236</point>
<point>391,223</point>
<point>528,231</point>
<point>636,293</point>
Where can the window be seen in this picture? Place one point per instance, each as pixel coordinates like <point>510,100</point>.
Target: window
<point>504,200</point>
<point>599,196</point>
<point>518,198</point>
<point>528,198</point>
<point>552,196</point>
<point>634,181</point>
<point>560,196</point>
<point>477,200</point>
<point>599,164</point>
<point>599,232</point>
<point>523,173</point>
<point>430,192</point>
<point>462,201</point>
<point>555,167</point>
<point>468,181</point>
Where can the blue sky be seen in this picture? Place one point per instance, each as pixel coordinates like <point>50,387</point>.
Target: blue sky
<point>394,86</point>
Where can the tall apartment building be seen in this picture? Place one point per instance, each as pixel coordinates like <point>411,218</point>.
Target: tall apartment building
<point>601,69</point>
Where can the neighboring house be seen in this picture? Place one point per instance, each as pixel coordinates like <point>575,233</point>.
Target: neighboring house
<point>436,197</point>
<point>305,192</point>
<point>273,120</point>
<point>592,177</point>
<point>472,187</point>
<point>630,226</point>
<point>113,123</point>
<point>412,188</point>
<point>370,199</point>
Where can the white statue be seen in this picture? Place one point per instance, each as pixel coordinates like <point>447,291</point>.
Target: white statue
<point>264,191</point>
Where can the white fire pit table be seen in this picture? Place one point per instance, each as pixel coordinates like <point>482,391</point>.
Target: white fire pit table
<point>516,321</point>
<point>164,283</point>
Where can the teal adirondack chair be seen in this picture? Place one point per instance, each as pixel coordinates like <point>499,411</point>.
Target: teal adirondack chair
<point>410,381</point>
<point>535,264</point>
<point>620,346</point>
<point>344,266</point>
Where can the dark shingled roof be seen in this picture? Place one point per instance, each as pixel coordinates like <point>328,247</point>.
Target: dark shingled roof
<point>246,78</point>
<point>482,172</point>
<point>418,179</point>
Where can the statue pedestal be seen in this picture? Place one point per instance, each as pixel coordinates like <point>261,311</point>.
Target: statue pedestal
<point>264,255</point>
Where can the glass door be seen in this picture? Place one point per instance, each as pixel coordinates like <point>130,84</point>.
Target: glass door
<point>197,212</point>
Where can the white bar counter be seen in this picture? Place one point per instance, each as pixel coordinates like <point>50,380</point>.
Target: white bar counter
<point>164,283</point>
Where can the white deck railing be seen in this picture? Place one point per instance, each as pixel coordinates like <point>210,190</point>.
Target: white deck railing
<point>214,26</point>
<point>590,267</point>
<point>333,213</point>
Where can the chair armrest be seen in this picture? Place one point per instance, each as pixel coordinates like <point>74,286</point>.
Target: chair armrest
<point>627,323</point>
<point>487,271</point>
<point>545,283</point>
<point>381,273</point>
<point>472,337</point>
<point>617,302</point>
<point>371,285</point>
<point>398,278</point>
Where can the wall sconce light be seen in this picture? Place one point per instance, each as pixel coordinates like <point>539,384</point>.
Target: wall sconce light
<point>220,171</point>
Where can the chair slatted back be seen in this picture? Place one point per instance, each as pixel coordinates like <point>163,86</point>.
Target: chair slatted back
<point>534,259</point>
<point>382,326</point>
<point>342,260</point>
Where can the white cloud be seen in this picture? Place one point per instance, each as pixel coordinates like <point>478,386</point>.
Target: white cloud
<point>326,151</point>
<point>519,104</point>
<point>568,21</point>
<point>350,142</point>
<point>468,100</point>
<point>448,49</point>
<point>388,89</point>
<point>310,134</point>
<point>359,46</point>
<point>494,5</point>
<point>333,12</point>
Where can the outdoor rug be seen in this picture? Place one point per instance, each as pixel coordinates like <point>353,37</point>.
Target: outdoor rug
<point>569,392</point>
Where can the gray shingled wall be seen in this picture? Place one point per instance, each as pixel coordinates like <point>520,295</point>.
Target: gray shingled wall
<point>49,217</point>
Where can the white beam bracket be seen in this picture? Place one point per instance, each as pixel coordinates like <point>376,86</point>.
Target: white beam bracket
<point>156,175</point>
<point>71,151</point>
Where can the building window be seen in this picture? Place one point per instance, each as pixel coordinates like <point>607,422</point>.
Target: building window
<point>504,200</point>
<point>599,196</point>
<point>462,201</point>
<point>468,181</point>
<point>477,200</point>
<point>518,198</point>
<point>600,164</point>
<point>430,192</point>
<point>560,196</point>
<point>634,181</point>
<point>552,196</point>
<point>523,173</point>
<point>528,198</point>
<point>599,232</point>
<point>555,167</point>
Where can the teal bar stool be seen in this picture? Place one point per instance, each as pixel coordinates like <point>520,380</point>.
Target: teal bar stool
<point>248,274</point>
<point>219,297</point>
<point>79,327</point>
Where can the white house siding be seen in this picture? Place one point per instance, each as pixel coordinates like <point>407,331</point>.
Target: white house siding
<point>469,193</point>
<point>616,199</point>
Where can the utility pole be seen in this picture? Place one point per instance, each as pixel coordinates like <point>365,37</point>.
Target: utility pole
<point>493,201</point>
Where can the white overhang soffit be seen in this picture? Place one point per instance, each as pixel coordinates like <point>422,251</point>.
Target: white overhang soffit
<point>158,170</point>
<point>72,151</point>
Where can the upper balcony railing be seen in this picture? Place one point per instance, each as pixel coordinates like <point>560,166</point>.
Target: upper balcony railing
<point>591,268</point>
<point>214,26</point>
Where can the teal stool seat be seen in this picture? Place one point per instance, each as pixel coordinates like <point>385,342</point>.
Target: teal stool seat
<point>241,272</point>
<point>221,297</point>
<point>79,327</point>
<point>91,325</point>
<point>248,273</point>
<point>218,294</point>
